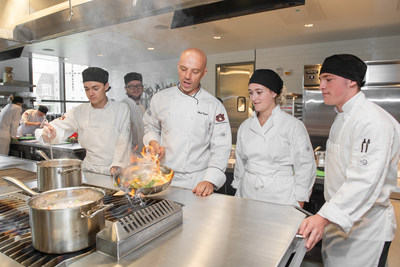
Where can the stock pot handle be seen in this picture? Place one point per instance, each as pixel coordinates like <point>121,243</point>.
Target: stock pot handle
<point>17,183</point>
<point>68,170</point>
<point>90,215</point>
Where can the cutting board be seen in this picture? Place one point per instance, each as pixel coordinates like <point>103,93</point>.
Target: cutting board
<point>21,175</point>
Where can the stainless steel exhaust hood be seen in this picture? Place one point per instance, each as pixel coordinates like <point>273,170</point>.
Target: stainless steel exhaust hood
<point>75,16</point>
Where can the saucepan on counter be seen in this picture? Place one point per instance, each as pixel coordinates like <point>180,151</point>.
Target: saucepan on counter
<point>144,178</point>
<point>58,173</point>
<point>319,157</point>
<point>64,220</point>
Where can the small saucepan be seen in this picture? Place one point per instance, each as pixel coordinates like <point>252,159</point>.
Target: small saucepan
<point>58,173</point>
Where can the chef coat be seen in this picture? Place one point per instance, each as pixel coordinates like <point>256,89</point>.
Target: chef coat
<point>9,121</point>
<point>136,124</point>
<point>103,132</point>
<point>274,162</point>
<point>29,116</point>
<point>360,173</point>
<point>195,132</point>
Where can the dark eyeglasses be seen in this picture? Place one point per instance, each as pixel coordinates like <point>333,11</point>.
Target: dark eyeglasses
<point>131,87</point>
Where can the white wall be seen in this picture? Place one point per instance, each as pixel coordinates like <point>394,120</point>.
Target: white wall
<point>290,58</point>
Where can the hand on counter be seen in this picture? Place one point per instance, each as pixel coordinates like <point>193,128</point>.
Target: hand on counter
<point>203,189</point>
<point>312,228</point>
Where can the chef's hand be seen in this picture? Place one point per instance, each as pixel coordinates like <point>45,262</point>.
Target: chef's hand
<point>160,150</point>
<point>203,189</point>
<point>49,133</point>
<point>114,169</point>
<point>312,228</point>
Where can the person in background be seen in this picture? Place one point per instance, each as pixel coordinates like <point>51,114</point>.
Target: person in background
<point>134,91</point>
<point>9,121</point>
<point>357,221</point>
<point>102,126</point>
<point>189,128</point>
<point>274,156</point>
<point>31,120</point>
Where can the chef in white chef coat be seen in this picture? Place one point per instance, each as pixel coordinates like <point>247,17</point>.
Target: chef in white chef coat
<point>134,91</point>
<point>357,221</point>
<point>31,120</point>
<point>9,121</point>
<point>189,128</point>
<point>274,156</point>
<point>103,126</point>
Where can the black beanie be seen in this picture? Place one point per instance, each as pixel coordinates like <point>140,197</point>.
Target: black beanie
<point>43,109</point>
<point>17,99</point>
<point>268,78</point>
<point>131,76</point>
<point>94,74</point>
<point>346,66</point>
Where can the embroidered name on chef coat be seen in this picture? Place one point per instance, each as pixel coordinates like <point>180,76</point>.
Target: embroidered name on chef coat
<point>220,117</point>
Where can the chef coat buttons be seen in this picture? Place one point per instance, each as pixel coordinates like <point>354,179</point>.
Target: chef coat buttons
<point>223,134</point>
<point>364,161</point>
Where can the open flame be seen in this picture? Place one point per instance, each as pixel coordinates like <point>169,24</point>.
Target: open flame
<point>145,172</point>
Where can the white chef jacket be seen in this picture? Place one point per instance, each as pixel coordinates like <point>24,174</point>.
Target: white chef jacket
<point>9,121</point>
<point>103,132</point>
<point>360,173</point>
<point>195,132</point>
<point>137,128</point>
<point>29,116</point>
<point>274,162</point>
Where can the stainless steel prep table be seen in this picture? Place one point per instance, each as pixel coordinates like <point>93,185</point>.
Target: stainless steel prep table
<point>218,230</point>
<point>27,149</point>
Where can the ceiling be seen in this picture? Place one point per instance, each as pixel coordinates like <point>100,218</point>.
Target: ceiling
<point>128,42</point>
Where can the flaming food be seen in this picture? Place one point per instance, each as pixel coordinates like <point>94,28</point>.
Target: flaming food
<point>145,174</point>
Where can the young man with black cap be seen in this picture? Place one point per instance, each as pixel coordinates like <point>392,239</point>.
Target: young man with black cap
<point>357,221</point>
<point>134,91</point>
<point>31,120</point>
<point>274,156</point>
<point>102,126</point>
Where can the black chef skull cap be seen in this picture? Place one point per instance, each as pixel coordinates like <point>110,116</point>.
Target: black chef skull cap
<point>131,76</point>
<point>268,78</point>
<point>17,99</point>
<point>94,74</point>
<point>43,109</point>
<point>347,66</point>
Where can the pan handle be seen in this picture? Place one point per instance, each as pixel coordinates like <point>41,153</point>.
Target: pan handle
<point>90,215</point>
<point>17,183</point>
<point>68,170</point>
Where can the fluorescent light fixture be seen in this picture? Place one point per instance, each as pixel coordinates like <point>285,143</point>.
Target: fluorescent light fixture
<point>217,37</point>
<point>309,25</point>
<point>150,48</point>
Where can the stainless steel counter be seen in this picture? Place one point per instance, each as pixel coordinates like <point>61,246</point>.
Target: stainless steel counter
<point>218,230</point>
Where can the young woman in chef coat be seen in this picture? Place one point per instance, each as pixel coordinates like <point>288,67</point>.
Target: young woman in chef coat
<point>274,156</point>
<point>9,121</point>
<point>103,126</point>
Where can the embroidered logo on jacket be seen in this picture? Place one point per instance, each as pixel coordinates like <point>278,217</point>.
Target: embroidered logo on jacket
<point>220,117</point>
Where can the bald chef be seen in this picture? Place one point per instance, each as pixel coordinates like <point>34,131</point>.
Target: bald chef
<point>103,126</point>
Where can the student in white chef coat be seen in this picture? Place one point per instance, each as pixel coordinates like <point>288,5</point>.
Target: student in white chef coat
<point>274,156</point>
<point>31,120</point>
<point>134,91</point>
<point>103,126</point>
<point>357,221</point>
<point>189,128</point>
<point>9,121</point>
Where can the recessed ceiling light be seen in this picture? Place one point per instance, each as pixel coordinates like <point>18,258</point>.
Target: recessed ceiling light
<point>48,49</point>
<point>99,55</point>
<point>308,25</point>
<point>66,58</point>
<point>217,37</point>
<point>150,48</point>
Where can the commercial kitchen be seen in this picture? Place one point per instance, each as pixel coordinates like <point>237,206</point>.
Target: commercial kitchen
<point>47,44</point>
